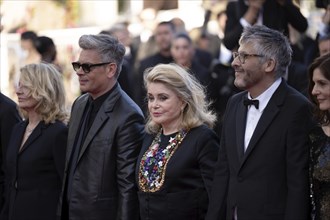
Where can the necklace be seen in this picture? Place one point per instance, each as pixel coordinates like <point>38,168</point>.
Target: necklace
<point>29,129</point>
<point>28,132</point>
<point>154,162</point>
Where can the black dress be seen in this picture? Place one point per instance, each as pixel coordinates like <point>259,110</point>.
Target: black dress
<point>320,174</point>
<point>175,179</point>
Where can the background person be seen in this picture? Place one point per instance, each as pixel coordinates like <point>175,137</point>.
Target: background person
<point>245,13</point>
<point>164,33</point>
<point>183,53</point>
<point>29,46</point>
<point>9,116</point>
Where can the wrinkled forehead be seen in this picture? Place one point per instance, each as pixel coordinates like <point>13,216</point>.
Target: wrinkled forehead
<point>247,46</point>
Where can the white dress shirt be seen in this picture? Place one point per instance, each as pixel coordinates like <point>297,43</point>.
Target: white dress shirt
<point>253,114</point>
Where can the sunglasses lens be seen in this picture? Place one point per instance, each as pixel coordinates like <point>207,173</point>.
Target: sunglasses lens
<point>76,66</point>
<point>85,67</point>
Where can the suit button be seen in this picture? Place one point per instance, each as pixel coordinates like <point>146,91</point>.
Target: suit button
<point>15,184</point>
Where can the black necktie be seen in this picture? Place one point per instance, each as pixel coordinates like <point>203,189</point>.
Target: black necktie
<point>254,102</point>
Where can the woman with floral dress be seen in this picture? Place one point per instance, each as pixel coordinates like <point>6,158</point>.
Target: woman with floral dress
<point>175,166</point>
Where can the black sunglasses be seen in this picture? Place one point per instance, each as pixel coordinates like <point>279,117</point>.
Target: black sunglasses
<point>86,67</point>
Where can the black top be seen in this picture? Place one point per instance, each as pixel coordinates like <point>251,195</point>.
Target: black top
<point>320,174</point>
<point>9,116</point>
<point>187,178</point>
<point>96,105</point>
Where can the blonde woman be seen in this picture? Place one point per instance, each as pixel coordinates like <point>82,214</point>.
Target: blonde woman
<point>175,166</point>
<point>35,157</point>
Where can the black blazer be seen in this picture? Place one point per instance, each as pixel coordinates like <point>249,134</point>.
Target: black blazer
<point>275,16</point>
<point>188,178</point>
<point>270,180</point>
<point>33,176</point>
<point>9,116</point>
<point>103,185</point>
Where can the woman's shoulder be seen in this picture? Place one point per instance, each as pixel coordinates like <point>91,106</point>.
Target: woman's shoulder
<point>55,126</point>
<point>317,134</point>
<point>201,128</point>
<point>202,132</point>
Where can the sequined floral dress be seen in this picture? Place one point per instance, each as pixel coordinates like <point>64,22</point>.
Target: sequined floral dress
<point>320,175</point>
<point>174,174</point>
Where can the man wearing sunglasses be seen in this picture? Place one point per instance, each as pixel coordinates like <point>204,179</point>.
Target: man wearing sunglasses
<point>105,133</point>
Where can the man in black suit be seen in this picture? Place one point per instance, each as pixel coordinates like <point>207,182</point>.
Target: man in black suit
<point>276,14</point>
<point>164,34</point>
<point>9,116</point>
<point>262,168</point>
<point>106,129</point>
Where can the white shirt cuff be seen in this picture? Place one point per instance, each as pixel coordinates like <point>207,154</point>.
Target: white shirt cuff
<point>244,23</point>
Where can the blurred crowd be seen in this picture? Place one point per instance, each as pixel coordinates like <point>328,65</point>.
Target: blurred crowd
<point>205,54</point>
<point>170,83</point>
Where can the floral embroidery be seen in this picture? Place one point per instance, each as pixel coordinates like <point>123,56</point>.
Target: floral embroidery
<point>154,162</point>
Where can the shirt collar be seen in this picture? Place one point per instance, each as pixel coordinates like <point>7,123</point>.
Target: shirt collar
<point>99,100</point>
<point>266,95</point>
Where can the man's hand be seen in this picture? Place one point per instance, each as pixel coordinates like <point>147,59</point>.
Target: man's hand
<point>326,16</point>
<point>256,4</point>
<point>252,13</point>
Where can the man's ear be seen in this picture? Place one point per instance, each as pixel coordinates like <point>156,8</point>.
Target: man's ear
<point>111,70</point>
<point>270,65</point>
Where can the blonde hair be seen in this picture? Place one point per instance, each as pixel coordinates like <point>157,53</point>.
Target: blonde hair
<point>187,87</point>
<point>45,85</point>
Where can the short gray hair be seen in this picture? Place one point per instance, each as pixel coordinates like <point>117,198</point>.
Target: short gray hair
<point>271,44</point>
<point>110,49</point>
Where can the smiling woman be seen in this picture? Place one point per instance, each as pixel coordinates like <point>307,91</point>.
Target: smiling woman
<point>319,91</point>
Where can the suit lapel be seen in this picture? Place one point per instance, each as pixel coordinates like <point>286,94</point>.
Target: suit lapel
<point>17,141</point>
<point>34,135</point>
<point>265,120</point>
<point>269,114</point>
<point>240,127</point>
<point>75,124</point>
<point>101,117</point>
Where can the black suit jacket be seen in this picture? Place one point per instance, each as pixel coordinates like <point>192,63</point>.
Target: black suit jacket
<point>275,16</point>
<point>188,179</point>
<point>33,176</point>
<point>9,116</point>
<point>270,180</point>
<point>103,182</point>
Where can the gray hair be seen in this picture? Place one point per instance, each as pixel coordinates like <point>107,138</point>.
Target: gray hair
<point>110,49</point>
<point>271,43</point>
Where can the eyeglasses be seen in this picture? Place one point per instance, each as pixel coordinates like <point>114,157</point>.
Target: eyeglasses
<point>86,67</point>
<point>242,56</point>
